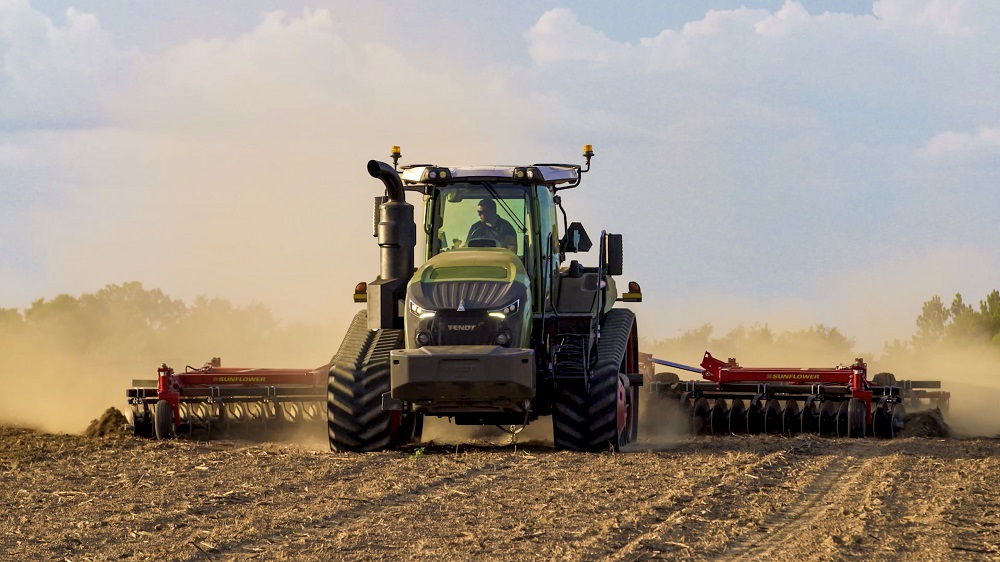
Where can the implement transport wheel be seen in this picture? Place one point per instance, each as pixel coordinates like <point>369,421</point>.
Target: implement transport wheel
<point>856,417</point>
<point>737,417</point>
<point>359,375</point>
<point>791,421</point>
<point>773,422</point>
<point>720,421</point>
<point>586,417</point>
<point>164,420</point>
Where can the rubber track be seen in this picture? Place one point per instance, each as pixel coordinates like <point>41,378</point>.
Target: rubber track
<point>359,375</point>
<point>585,421</point>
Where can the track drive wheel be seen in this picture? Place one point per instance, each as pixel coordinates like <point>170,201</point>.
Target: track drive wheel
<point>586,417</point>
<point>164,419</point>
<point>359,375</point>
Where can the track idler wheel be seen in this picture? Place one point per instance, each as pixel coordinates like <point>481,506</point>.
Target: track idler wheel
<point>773,422</point>
<point>737,417</point>
<point>791,417</point>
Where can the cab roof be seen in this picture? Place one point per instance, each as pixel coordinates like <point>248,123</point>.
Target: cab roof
<point>548,174</point>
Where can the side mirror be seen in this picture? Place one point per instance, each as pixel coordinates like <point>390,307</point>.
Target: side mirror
<point>613,254</point>
<point>575,239</point>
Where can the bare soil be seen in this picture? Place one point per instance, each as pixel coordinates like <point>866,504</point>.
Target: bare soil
<point>105,495</point>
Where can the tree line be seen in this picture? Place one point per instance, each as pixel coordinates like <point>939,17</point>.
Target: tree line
<point>938,328</point>
<point>128,323</point>
<point>125,321</point>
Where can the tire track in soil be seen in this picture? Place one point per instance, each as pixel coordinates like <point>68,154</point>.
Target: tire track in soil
<point>820,512</point>
<point>942,505</point>
<point>658,526</point>
<point>357,519</point>
<point>462,492</point>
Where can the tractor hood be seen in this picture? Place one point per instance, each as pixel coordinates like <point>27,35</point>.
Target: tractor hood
<point>471,279</point>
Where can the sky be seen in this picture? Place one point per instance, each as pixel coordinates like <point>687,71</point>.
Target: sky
<point>781,163</point>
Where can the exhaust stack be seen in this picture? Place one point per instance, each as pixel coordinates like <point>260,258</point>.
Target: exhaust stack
<point>397,238</point>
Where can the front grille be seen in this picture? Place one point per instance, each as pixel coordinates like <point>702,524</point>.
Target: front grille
<point>472,327</point>
<point>475,294</point>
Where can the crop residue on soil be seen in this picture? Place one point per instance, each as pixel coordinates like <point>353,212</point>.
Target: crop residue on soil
<point>80,498</point>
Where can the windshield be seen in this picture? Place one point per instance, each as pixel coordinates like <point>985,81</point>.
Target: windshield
<point>479,215</point>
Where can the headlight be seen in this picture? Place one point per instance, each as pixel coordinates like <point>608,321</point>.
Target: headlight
<point>506,311</point>
<point>503,337</point>
<point>420,311</point>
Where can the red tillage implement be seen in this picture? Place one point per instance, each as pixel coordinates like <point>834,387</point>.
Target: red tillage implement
<point>836,401</point>
<point>213,397</point>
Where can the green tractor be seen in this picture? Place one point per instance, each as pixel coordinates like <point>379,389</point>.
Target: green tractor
<point>495,328</point>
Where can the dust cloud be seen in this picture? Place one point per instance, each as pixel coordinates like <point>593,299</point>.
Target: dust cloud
<point>971,373</point>
<point>51,383</point>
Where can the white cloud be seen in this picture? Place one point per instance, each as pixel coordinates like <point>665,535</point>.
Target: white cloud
<point>558,36</point>
<point>943,17</point>
<point>52,75</point>
<point>985,143</point>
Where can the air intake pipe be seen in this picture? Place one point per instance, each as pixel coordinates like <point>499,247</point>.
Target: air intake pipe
<point>397,238</point>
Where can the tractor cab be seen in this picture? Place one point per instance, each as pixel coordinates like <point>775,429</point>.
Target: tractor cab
<point>501,215</point>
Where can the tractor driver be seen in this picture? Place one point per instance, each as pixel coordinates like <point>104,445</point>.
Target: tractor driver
<point>492,227</point>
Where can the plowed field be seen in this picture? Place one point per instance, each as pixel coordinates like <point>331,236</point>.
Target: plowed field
<point>71,497</point>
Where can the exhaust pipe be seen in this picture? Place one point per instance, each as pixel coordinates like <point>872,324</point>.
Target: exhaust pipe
<point>388,175</point>
<point>397,238</point>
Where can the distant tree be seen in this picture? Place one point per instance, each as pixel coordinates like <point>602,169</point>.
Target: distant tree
<point>816,338</point>
<point>931,324</point>
<point>990,311</point>
<point>960,323</point>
